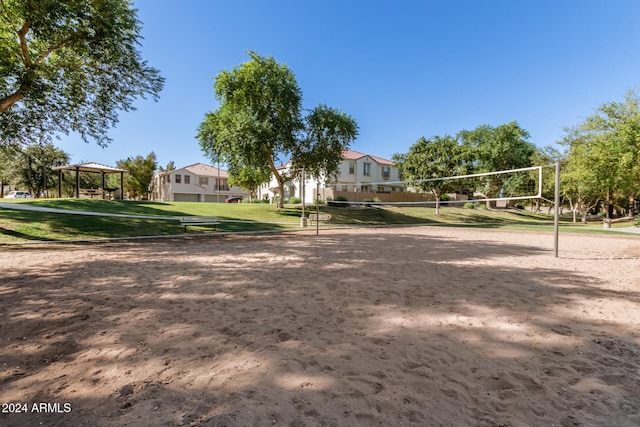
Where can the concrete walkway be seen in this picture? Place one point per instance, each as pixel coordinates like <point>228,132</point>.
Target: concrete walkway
<point>26,207</point>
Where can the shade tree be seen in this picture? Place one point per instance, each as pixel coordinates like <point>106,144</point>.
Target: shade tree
<point>140,173</point>
<point>69,66</point>
<point>603,159</point>
<point>259,122</point>
<point>436,157</point>
<point>31,167</point>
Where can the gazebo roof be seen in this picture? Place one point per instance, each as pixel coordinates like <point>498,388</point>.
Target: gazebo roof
<point>90,167</point>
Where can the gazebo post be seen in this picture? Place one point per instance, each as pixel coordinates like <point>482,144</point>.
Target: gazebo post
<point>91,168</point>
<point>77,182</point>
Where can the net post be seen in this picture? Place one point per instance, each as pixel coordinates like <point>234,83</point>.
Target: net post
<point>303,218</point>
<point>317,208</point>
<point>540,182</point>
<point>556,213</point>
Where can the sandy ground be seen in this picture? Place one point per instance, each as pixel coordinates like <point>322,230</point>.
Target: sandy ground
<point>402,326</point>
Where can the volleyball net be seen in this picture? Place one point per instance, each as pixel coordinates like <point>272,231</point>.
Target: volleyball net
<point>499,186</point>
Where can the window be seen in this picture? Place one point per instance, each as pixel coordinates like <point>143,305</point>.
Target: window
<point>187,179</point>
<point>178,178</point>
<point>204,180</point>
<point>386,172</point>
<point>352,168</point>
<point>366,169</point>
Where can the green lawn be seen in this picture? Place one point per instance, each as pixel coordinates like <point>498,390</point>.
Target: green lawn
<point>21,225</point>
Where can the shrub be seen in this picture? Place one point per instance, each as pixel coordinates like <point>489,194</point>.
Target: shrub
<point>469,205</point>
<point>338,202</point>
<point>295,200</point>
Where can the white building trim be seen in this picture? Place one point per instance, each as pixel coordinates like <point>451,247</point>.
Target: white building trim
<point>357,173</point>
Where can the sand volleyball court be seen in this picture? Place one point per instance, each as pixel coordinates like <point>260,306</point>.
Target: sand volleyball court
<point>398,326</point>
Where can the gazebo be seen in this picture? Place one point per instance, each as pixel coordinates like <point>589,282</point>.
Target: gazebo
<point>92,168</point>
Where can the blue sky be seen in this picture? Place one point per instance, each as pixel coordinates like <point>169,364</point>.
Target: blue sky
<point>402,69</point>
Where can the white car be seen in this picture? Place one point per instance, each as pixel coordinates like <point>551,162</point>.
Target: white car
<point>18,195</point>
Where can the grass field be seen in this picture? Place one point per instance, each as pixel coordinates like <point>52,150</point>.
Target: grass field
<point>23,225</point>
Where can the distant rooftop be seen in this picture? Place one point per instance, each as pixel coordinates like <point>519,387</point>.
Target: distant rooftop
<point>202,170</point>
<point>355,155</point>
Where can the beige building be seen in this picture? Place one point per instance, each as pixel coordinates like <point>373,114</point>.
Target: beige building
<point>194,183</point>
<point>365,173</point>
<point>360,176</point>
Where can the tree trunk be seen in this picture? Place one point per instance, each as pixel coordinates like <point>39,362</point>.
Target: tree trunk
<point>8,101</point>
<point>584,215</point>
<point>280,181</point>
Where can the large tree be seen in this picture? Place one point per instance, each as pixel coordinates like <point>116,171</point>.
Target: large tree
<point>428,160</point>
<point>140,173</point>
<point>259,120</point>
<point>7,155</point>
<point>579,182</point>
<point>31,167</point>
<point>328,132</point>
<point>69,66</point>
<point>604,152</point>
<point>504,147</point>
<point>499,148</point>
<point>546,156</point>
<point>250,178</point>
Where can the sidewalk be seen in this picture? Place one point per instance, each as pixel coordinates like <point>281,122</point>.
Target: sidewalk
<point>25,207</point>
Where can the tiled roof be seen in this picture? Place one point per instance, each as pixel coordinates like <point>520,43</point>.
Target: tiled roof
<point>352,155</point>
<point>355,155</point>
<point>382,161</point>
<point>205,170</point>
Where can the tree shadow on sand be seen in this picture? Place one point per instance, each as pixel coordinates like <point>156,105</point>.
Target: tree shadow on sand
<point>335,330</point>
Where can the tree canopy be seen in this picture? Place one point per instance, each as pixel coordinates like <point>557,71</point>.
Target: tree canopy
<point>603,160</point>
<point>436,157</point>
<point>69,66</point>
<point>140,173</point>
<point>31,167</point>
<point>499,148</point>
<point>260,119</point>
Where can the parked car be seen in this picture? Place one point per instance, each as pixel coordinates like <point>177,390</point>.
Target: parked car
<point>18,195</point>
<point>233,200</point>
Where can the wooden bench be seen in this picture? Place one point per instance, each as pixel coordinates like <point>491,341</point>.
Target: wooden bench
<point>198,220</point>
<point>319,217</point>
